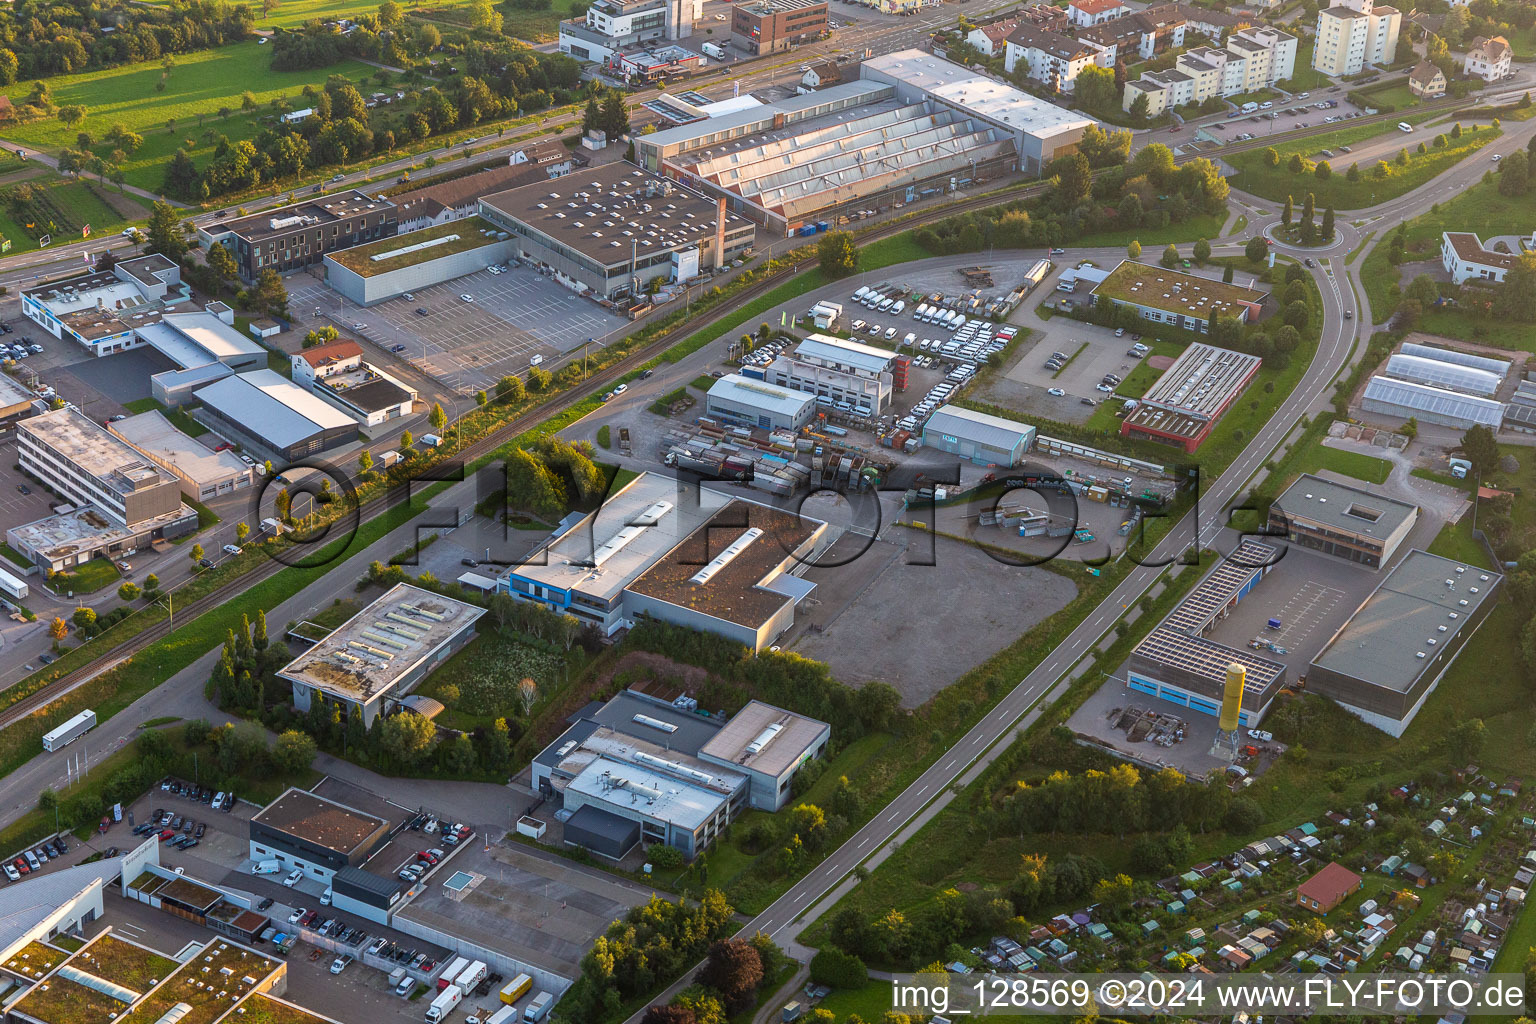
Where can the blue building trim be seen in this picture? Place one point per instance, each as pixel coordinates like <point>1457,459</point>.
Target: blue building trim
<point>1178,695</point>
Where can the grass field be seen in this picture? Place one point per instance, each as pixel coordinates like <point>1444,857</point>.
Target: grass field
<point>88,202</point>
<point>1275,183</point>
<point>1399,97</point>
<point>544,26</point>
<point>1361,467</point>
<point>1303,76</point>
<point>198,86</point>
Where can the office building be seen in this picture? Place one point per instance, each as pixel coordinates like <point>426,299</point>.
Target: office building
<point>1353,35</point>
<point>769,745</point>
<point>1051,57</point>
<point>383,652</point>
<point>847,376</point>
<point>1384,662</point>
<point>122,500</point>
<point>314,834</point>
<point>1184,405</point>
<point>611,27</point>
<point>1181,300</point>
<point>684,554</point>
<point>979,437</point>
<point>297,236</point>
<point>274,414</point>
<point>337,373</point>
<point>745,402</point>
<point>1346,522</point>
<point>773,26</point>
<point>1465,258</point>
<point>613,228</point>
<point>204,474</point>
<point>1251,60</point>
<point>1488,58</point>
<point>1180,663</point>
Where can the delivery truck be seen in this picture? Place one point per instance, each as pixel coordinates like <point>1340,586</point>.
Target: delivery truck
<point>455,968</point>
<point>443,1005</point>
<point>471,976</point>
<point>536,1010</point>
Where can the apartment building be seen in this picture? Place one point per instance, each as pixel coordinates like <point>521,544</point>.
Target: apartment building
<point>1051,57</point>
<point>1489,59</point>
<point>990,35</point>
<point>1353,34</point>
<point>1086,13</point>
<point>1252,59</point>
<point>1144,34</point>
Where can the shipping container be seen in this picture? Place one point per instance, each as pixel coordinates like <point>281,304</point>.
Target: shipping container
<point>515,989</point>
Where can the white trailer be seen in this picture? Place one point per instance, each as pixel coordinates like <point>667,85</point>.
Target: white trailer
<point>13,585</point>
<point>471,975</point>
<point>70,731</point>
<point>444,1004</point>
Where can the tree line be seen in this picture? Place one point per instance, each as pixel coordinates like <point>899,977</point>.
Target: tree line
<point>38,39</point>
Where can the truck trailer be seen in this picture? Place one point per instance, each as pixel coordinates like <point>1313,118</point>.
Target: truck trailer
<point>444,1004</point>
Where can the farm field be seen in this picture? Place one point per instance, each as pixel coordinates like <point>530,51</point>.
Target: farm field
<point>61,208</point>
<point>198,86</point>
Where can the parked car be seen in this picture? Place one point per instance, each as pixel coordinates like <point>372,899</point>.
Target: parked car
<point>293,877</point>
<point>297,915</point>
<point>1055,392</point>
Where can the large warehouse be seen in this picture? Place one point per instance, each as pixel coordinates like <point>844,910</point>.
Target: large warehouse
<point>383,652</point>
<point>694,556</point>
<point>397,264</point>
<point>613,228</point>
<point>276,414</point>
<point>744,402</point>
<point>1343,521</point>
<point>204,474</point>
<point>1178,662</point>
<point>1184,405</point>
<point>983,439</point>
<point>1388,658</point>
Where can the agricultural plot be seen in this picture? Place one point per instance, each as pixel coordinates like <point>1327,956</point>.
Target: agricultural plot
<point>63,210</point>
<point>196,89</point>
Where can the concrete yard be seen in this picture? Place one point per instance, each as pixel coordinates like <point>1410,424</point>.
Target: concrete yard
<point>116,378</point>
<point>468,346</point>
<point>536,907</point>
<point>919,627</point>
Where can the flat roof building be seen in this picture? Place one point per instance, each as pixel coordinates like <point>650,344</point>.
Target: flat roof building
<point>769,745</point>
<point>1182,300</point>
<point>398,264</point>
<point>319,836</point>
<point>982,438</point>
<point>612,228</point>
<point>276,414</point>
<point>848,376</point>
<point>204,474</point>
<point>338,374</point>
<point>1184,405</point>
<point>773,26</point>
<point>1386,660</point>
<point>1346,522</point>
<point>15,400</point>
<point>299,235</point>
<point>457,198</point>
<point>1178,662</point>
<point>743,401</point>
<point>383,652</point>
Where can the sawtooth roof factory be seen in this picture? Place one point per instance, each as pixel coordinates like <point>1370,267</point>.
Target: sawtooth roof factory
<point>1384,662</point>
<point>382,652</point>
<point>913,125</point>
<point>1184,405</point>
<point>644,768</point>
<point>610,229</point>
<point>691,556</point>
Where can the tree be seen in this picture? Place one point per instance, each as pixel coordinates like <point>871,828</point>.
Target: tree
<point>151,583</point>
<point>221,262</point>
<point>364,462</point>
<point>165,235</point>
<point>1514,174</point>
<point>1256,249</point>
<point>1481,449</point>
<point>1170,257</point>
<point>1424,290</point>
<point>831,966</point>
<point>1322,170</point>
<point>1297,164</point>
<point>1226,274</point>
<point>71,115</point>
<point>735,970</point>
<point>483,17</point>
<point>1353,174</point>
<point>1298,315</point>
<point>1271,157</point>
<point>1072,179</point>
<point>837,254</point>
<point>1516,298</point>
<point>1202,251</point>
<point>405,738</point>
<point>538,378</point>
<point>1327,229</point>
<point>407,441</point>
<point>129,590</point>
<point>1141,108</point>
<point>1289,213</point>
<point>437,417</point>
<point>197,553</point>
<point>510,388</point>
<point>242,531</point>
<point>267,295</point>
<point>527,694</point>
<point>1095,88</point>
<point>1133,251</point>
<point>293,752</point>
<point>58,629</point>
<point>84,618</point>
<point>669,1015</point>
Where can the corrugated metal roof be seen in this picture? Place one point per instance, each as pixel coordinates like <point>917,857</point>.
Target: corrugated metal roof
<point>980,427</point>
<point>1423,398</point>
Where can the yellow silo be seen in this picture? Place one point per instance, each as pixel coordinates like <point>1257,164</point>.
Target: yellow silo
<point>1232,698</point>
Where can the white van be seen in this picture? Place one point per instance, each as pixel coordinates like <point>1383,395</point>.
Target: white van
<point>898,307</point>
<point>1404,126</point>
<point>1250,107</point>
<point>886,304</point>
<point>861,294</point>
<point>909,341</point>
<point>266,867</point>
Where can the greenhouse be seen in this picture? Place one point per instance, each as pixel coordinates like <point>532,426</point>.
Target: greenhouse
<point>1442,374</point>
<point>1447,355</point>
<point>1388,397</point>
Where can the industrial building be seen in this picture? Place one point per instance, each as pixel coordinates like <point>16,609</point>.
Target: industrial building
<point>397,264</point>
<point>769,745</point>
<point>610,27</point>
<point>773,26</point>
<point>276,414</point>
<point>338,374</point>
<point>984,439</point>
<point>1386,660</point>
<point>914,125</point>
<point>1184,405</point>
<point>319,836</point>
<point>204,474</point>
<point>122,499</point>
<point>1346,522</point>
<point>689,555</point>
<point>644,768</point>
<point>383,652</point>
<point>297,236</point>
<point>1182,300</point>
<point>847,376</point>
<point>457,198</point>
<point>611,229</point>
<point>744,402</point>
<point>1178,662</point>
<point>15,401</point>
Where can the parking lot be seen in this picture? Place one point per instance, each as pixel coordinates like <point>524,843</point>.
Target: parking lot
<point>1302,110</point>
<point>469,345</point>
